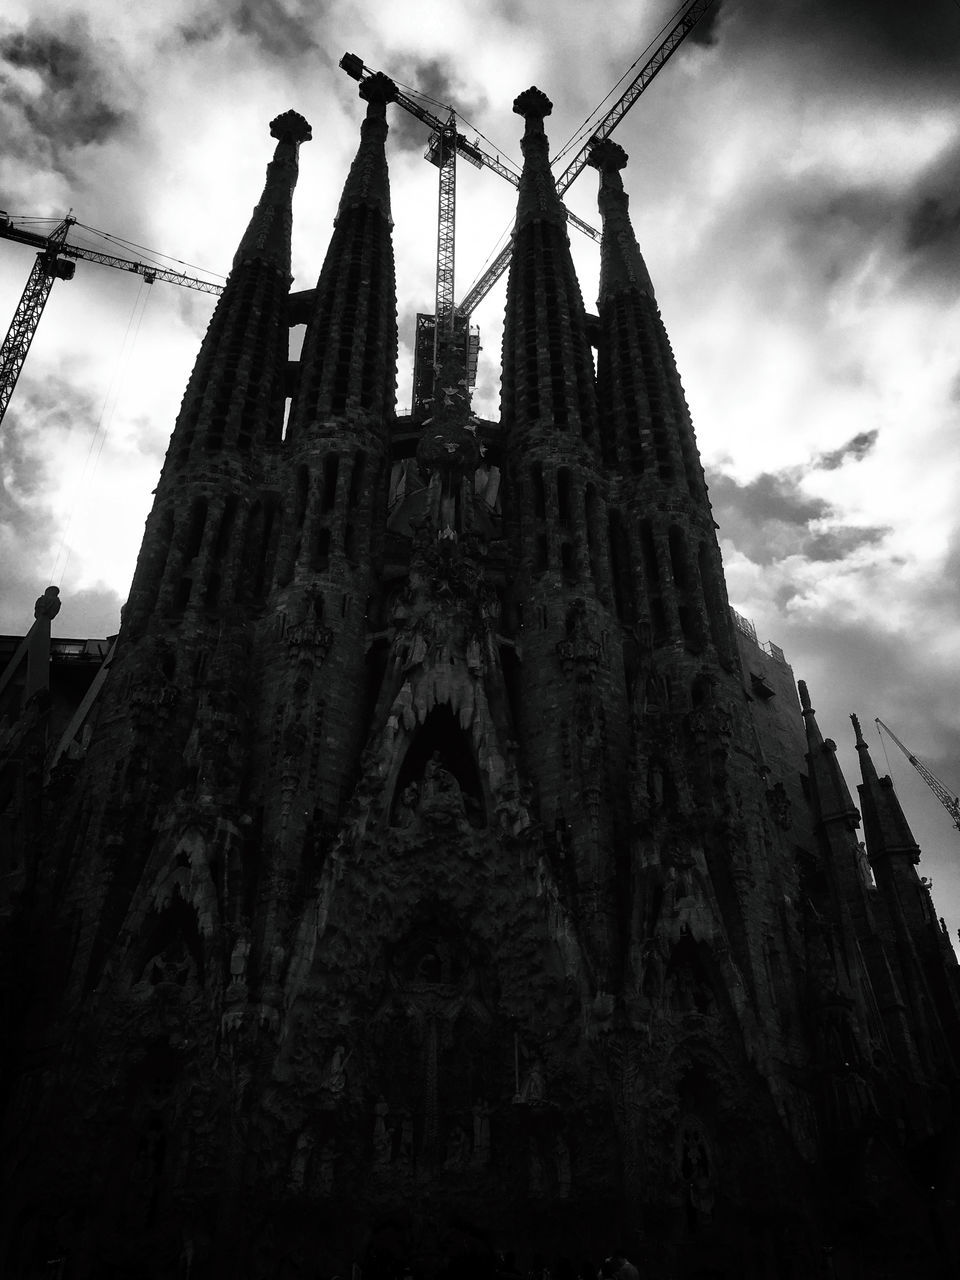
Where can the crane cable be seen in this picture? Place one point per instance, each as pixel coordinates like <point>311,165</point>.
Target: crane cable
<point>884,748</point>
<point>587,124</point>
<point>105,419</point>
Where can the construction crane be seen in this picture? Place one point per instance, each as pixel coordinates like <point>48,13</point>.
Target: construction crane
<point>606,125</point>
<point>949,802</point>
<point>53,263</point>
<point>446,142</point>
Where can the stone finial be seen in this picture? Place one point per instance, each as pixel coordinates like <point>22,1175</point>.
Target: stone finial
<point>855,720</point>
<point>607,156</point>
<point>532,104</point>
<point>378,89</point>
<point>804,696</point>
<point>48,605</point>
<point>290,127</point>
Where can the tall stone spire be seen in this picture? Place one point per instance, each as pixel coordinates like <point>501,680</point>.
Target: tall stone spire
<point>644,420</point>
<point>923,955</point>
<point>232,406</point>
<point>834,801</point>
<point>236,392</point>
<point>678,596</point>
<point>885,827</point>
<point>348,367</point>
<point>548,384</point>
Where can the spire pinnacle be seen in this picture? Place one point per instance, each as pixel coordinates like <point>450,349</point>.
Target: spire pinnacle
<point>538,200</point>
<point>621,263</point>
<point>367,184</point>
<point>833,794</point>
<point>348,361</point>
<point>885,826</point>
<point>267,238</point>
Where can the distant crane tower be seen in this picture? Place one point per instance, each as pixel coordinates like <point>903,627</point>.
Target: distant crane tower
<point>949,802</point>
<point>53,263</point>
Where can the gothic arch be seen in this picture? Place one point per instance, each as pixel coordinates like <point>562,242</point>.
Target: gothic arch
<point>439,773</point>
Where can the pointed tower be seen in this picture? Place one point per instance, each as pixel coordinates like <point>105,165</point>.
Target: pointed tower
<point>679,601</point>
<point>181,675</point>
<point>924,959</point>
<point>573,716</point>
<point>311,639</point>
<point>843,946</point>
<point>232,409</point>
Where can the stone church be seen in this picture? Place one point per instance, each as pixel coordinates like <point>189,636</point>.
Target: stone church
<point>434,878</point>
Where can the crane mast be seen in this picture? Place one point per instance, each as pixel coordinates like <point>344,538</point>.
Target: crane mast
<point>52,263</point>
<point>949,802</point>
<point>650,69</point>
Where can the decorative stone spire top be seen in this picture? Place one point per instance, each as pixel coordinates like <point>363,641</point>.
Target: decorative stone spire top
<point>267,238</point>
<point>621,263</point>
<point>290,127</point>
<point>367,184</point>
<point>534,105</point>
<point>538,199</point>
<point>348,363</point>
<point>550,385</point>
<point>377,90</point>
<point>804,692</point>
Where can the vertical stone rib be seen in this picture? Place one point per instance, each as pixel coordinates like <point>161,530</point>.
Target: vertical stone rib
<point>348,367</point>
<point>548,380</point>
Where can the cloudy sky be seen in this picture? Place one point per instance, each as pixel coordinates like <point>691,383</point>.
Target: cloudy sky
<point>795,182</point>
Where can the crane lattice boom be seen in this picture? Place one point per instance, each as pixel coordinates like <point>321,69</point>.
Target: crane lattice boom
<point>51,264</point>
<point>949,802</point>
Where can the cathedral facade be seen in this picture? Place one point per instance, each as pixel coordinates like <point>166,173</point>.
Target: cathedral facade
<point>437,878</point>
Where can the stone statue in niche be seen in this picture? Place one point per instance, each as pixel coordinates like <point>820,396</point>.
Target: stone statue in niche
<point>481,1131</point>
<point>696,1170</point>
<point>441,799</point>
<point>780,806</point>
<point>382,1141</point>
<point>407,805</point>
<point>532,1091</point>
<point>562,1152</point>
<point>238,961</point>
<point>298,1166</point>
<point>335,1076</point>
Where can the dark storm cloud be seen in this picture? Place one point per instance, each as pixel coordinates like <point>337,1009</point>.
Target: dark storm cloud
<point>705,32</point>
<point>871,36</point>
<point>78,101</point>
<point>282,29</point>
<point>771,518</point>
<point>837,544</point>
<point>855,449</point>
<point>931,223</point>
<point>435,79</point>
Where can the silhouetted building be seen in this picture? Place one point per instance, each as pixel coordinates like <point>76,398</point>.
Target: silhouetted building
<point>438,871</point>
